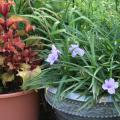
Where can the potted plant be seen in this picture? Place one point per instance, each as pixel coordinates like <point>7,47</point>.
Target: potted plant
<point>81,87</point>
<point>83,77</point>
<point>18,63</point>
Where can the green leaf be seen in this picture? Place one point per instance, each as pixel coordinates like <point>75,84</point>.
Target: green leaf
<point>116,105</point>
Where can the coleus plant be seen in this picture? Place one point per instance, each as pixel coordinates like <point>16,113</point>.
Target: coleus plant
<point>18,62</point>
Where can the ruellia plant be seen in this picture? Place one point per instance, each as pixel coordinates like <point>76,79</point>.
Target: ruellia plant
<point>18,62</point>
<point>84,55</point>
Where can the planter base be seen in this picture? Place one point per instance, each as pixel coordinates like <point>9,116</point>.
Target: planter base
<point>63,116</point>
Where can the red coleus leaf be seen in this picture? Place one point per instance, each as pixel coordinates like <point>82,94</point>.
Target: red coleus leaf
<point>11,42</point>
<point>28,55</point>
<point>10,34</point>
<point>11,2</point>
<point>7,36</point>
<point>8,46</point>
<point>5,7</point>
<point>15,20</point>
<point>18,42</point>
<point>14,26</point>
<point>12,61</point>
<point>2,21</point>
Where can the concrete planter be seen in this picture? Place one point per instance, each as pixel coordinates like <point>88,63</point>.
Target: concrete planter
<point>68,109</point>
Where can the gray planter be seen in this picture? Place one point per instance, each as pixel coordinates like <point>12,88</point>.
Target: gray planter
<point>68,109</point>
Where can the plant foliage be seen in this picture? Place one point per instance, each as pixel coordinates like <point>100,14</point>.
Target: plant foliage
<point>94,26</point>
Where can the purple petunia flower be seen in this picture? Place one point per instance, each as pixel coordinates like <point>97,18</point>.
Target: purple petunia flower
<point>75,50</point>
<point>110,85</point>
<point>53,56</point>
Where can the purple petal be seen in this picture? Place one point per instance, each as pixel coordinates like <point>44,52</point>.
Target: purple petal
<point>110,85</point>
<point>111,81</point>
<point>73,46</point>
<point>104,86</point>
<point>106,81</point>
<point>111,91</point>
<point>75,50</point>
<point>78,51</point>
<point>81,52</point>
<point>52,58</point>
<point>54,49</point>
<point>74,53</point>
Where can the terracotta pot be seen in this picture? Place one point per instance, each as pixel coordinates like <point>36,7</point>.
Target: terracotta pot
<point>19,106</point>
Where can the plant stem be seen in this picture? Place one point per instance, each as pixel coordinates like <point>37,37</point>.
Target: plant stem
<point>5,24</point>
<point>73,3</point>
<point>116,3</point>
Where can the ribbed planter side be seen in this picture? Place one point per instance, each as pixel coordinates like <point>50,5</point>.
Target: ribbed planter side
<point>64,116</point>
<point>68,109</point>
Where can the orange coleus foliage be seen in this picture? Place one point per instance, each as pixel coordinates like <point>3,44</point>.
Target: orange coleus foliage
<point>14,20</point>
<point>10,41</point>
<point>13,51</point>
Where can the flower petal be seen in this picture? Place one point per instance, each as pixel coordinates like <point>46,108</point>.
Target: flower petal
<point>110,85</point>
<point>104,86</point>
<point>75,50</point>
<point>74,53</point>
<point>73,46</point>
<point>54,49</point>
<point>111,81</point>
<point>81,52</point>
<point>52,58</point>
<point>111,91</point>
<point>106,81</point>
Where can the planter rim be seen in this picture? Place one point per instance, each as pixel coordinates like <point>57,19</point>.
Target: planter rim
<point>77,97</point>
<point>15,94</point>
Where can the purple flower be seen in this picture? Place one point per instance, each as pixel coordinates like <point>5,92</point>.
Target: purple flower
<point>53,56</point>
<point>54,49</point>
<point>110,85</point>
<point>75,50</point>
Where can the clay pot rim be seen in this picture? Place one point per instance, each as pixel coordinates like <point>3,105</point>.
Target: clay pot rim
<point>16,94</point>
